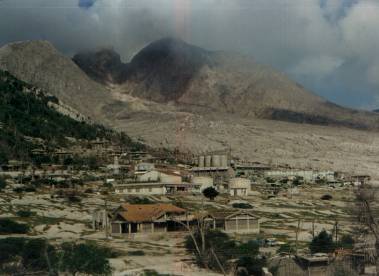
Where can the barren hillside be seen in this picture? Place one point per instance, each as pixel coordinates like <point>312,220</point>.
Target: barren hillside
<point>221,105</point>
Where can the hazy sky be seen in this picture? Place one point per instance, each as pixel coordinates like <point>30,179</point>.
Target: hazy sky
<point>329,46</point>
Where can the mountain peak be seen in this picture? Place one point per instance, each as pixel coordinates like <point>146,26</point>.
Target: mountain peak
<point>103,65</point>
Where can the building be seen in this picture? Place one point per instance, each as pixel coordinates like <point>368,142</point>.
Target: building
<point>130,219</point>
<point>148,218</point>
<point>156,188</point>
<point>143,168</point>
<point>234,222</point>
<point>239,186</point>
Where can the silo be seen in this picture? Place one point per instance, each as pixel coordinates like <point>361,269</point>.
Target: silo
<point>201,161</point>
<point>224,161</point>
<point>216,162</point>
<point>208,160</point>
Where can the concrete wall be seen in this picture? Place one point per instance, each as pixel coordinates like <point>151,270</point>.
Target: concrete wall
<point>142,190</point>
<point>152,176</point>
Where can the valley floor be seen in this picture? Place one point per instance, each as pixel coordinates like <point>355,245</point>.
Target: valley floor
<point>58,221</point>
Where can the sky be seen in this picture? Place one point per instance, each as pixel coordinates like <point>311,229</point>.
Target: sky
<point>331,47</point>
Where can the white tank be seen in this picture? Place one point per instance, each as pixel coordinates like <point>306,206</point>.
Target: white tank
<point>201,161</point>
<point>239,183</point>
<point>208,160</point>
<point>216,161</point>
<point>203,181</point>
<point>224,161</point>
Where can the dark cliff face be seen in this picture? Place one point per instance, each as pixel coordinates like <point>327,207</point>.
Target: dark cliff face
<point>103,66</point>
<point>166,66</point>
<point>197,80</point>
<point>169,65</point>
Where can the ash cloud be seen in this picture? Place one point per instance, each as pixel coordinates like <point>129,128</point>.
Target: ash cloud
<point>329,46</point>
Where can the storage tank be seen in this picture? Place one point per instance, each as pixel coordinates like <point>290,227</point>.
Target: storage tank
<point>201,161</point>
<point>203,181</point>
<point>224,161</point>
<point>208,160</point>
<point>216,161</point>
<point>239,183</point>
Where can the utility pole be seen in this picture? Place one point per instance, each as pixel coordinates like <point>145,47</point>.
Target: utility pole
<point>106,218</point>
<point>336,229</point>
<point>297,235</point>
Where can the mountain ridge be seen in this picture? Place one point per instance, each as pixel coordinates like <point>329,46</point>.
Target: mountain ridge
<point>171,70</point>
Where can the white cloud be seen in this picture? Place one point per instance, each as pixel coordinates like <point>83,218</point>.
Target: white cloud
<point>304,38</point>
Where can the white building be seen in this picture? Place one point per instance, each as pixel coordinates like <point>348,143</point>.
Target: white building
<point>239,186</point>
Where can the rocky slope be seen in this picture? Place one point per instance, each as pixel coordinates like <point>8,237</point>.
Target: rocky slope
<point>39,63</point>
<point>179,96</point>
<point>194,79</point>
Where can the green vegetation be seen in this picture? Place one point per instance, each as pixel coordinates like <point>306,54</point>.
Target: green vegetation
<point>136,253</point>
<point>86,258</point>
<point>20,255</point>
<point>3,183</point>
<point>140,200</point>
<point>286,249</point>
<point>242,205</point>
<point>322,243</point>
<point>210,193</point>
<point>8,226</point>
<point>219,245</point>
<point>37,256</point>
<point>25,213</point>
<point>149,272</point>
<point>346,242</point>
<point>326,197</point>
<point>24,112</point>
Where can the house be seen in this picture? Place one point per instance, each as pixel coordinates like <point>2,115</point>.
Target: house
<point>148,218</point>
<point>234,222</point>
<point>155,188</point>
<point>161,218</point>
<point>158,176</point>
<point>239,186</point>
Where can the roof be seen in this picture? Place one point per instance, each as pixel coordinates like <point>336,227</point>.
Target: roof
<point>147,212</point>
<point>229,214</point>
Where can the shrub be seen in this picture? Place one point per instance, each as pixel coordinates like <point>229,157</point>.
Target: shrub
<point>242,205</point>
<point>210,193</point>
<point>3,183</point>
<point>27,254</point>
<point>136,253</point>
<point>139,200</point>
<point>25,213</point>
<point>326,197</point>
<point>226,249</point>
<point>8,226</point>
<point>347,242</point>
<point>322,243</point>
<point>286,248</point>
<point>86,258</point>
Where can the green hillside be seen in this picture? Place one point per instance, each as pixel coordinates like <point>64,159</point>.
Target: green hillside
<point>25,114</point>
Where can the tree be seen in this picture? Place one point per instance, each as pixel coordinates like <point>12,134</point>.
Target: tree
<point>322,243</point>
<point>286,248</point>
<point>86,258</point>
<point>3,183</point>
<point>347,242</point>
<point>22,256</point>
<point>217,249</point>
<point>210,193</point>
<point>8,226</point>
